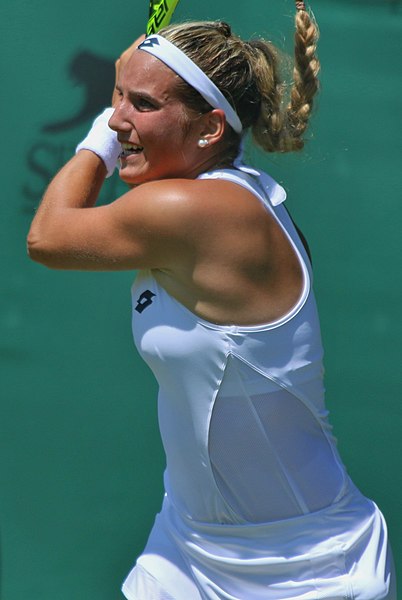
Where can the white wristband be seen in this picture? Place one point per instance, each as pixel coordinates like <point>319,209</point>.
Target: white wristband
<point>102,141</point>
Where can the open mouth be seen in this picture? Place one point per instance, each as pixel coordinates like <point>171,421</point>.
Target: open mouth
<point>129,149</point>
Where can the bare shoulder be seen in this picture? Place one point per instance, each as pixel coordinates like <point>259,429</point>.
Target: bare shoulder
<point>186,201</point>
<point>176,223</point>
<point>183,190</point>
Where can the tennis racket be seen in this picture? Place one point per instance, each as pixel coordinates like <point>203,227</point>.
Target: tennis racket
<point>160,13</point>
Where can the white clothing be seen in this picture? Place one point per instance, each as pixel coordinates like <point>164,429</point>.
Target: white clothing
<point>258,503</point>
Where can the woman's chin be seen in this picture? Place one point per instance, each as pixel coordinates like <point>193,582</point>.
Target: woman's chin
<point>130,175</point>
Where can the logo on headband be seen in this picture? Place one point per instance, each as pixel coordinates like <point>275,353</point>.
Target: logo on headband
<point>149,42</point>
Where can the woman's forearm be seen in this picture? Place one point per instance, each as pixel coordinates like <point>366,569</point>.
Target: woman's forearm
<point>76,185</point>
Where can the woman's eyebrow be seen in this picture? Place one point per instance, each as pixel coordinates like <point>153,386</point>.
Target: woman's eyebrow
<point>141,94</point>
<point>135,92</point>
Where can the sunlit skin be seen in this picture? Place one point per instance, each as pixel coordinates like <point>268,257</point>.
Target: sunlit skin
<point>211,244</point>
<point>149,114</point>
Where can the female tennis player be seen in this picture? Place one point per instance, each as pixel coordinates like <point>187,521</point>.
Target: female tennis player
<point>258,504</point>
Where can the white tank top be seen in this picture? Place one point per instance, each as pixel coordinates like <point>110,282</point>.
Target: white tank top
<point>241,408</point>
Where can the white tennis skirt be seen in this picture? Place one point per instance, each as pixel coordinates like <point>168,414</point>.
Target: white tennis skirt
<point>338,553</point>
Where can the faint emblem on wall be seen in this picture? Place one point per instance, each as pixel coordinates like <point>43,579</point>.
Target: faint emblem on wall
<point>53,146</point>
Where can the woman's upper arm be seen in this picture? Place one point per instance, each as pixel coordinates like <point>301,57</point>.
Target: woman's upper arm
<point>142,229</point>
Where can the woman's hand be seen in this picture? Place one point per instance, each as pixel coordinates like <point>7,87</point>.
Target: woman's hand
<point>121,61</point>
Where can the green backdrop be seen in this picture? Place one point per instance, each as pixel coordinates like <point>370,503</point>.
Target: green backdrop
<point>81,460</point>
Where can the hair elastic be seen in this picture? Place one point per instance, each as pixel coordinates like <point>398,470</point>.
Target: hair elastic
<point>181,64</point>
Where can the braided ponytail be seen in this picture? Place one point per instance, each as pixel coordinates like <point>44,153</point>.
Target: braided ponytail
<point>280,129</point>
<point>305,74</point>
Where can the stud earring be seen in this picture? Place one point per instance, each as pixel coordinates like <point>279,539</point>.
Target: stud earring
<point>203,143</point>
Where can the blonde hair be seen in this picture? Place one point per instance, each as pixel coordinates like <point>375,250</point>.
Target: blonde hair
<point>249,76</point>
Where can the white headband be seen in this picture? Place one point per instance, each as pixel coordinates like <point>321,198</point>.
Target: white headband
<point>181,64</point>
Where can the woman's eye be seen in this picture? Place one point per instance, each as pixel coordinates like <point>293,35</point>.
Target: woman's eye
<point>143,104</point>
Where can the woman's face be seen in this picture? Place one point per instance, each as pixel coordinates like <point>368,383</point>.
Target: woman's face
<point>158,137</point>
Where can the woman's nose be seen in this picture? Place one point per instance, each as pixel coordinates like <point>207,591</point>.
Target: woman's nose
<point>118,121</point>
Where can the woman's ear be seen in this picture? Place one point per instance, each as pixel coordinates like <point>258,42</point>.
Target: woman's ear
<point>212,127</point>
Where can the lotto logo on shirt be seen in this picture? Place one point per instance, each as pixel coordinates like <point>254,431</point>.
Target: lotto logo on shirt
<point>144,301</point>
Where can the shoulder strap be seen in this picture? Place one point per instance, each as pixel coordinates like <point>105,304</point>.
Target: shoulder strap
<point>251,179</point>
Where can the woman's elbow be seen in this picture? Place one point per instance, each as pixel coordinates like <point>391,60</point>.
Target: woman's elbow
<point>39,251</point>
